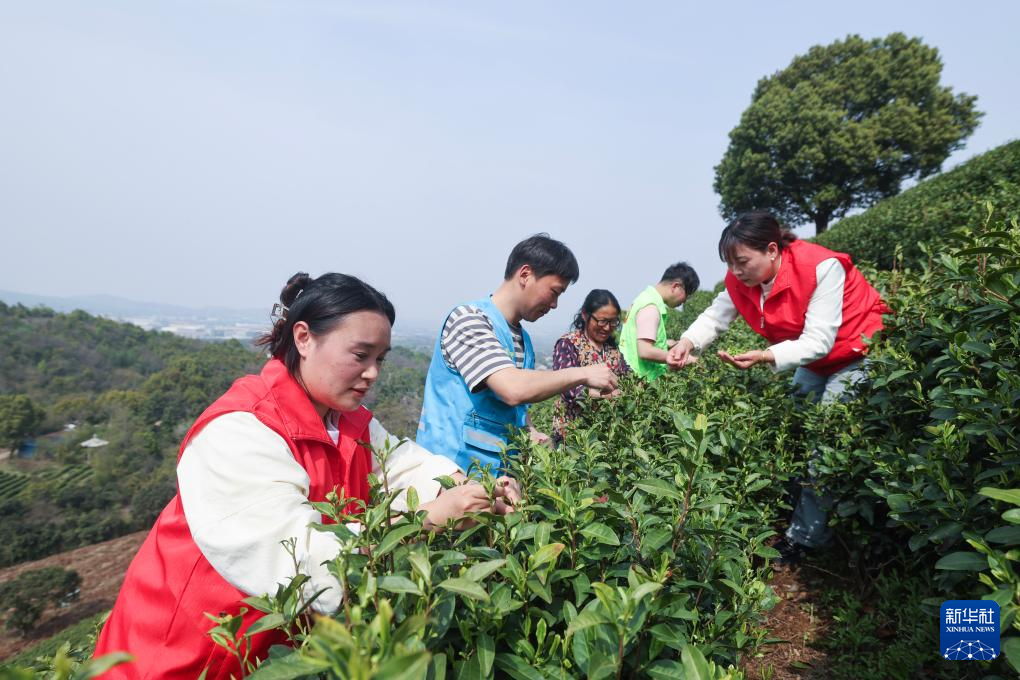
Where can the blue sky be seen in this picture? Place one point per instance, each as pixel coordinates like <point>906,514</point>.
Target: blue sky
<point>199,153</point>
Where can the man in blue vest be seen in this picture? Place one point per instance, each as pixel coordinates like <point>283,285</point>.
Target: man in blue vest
<point>482,376</point>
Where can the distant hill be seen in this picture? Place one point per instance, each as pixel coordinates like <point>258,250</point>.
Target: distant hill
<point>49,355</point>
<point>117,307</point>
<point>396,398</point>
<point>207,323</point>
<point>139,391</point>
<point>135,389</point>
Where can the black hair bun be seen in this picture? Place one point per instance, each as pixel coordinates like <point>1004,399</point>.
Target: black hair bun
<point>295,285</point>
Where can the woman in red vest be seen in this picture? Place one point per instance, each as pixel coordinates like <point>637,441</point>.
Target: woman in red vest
<point>246,471</point>
<point>813,306</point>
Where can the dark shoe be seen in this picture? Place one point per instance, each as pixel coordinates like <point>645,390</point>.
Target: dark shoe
<point>790,553</point>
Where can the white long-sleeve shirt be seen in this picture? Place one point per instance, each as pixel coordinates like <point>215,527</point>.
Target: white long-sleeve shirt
<point>243,493</point>
<point>821,323</point>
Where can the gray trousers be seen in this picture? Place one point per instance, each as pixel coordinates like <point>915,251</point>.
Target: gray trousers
<point>809,524</point>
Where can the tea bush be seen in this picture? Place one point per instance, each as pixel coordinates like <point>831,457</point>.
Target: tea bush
<point>929,211</point>
<point>66,656</point>
<point>934,440</point>
<point>649,563</point>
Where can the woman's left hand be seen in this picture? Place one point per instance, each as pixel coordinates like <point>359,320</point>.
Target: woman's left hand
<point>747,359</point>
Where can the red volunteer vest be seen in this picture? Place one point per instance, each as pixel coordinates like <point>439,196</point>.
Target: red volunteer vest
<point>159,614</point>
<point>786,306</point>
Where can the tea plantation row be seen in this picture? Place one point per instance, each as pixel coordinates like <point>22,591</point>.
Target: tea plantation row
<point>926,213</point>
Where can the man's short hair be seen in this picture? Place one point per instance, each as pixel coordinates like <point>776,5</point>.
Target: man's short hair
<point>545,256</point>
<point>685,274</point>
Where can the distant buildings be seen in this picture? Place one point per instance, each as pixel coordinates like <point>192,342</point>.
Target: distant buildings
<point>201,329</point>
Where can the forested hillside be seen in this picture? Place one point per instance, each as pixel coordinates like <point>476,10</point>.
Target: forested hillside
<point>139,391</point>
<point>135,389</point>
<point>51,356</point>
<point>395,399</point>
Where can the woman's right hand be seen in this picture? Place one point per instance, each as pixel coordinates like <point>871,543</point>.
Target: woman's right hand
<point>680,354</point>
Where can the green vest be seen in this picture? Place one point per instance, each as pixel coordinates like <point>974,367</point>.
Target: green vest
<point>649,370</point>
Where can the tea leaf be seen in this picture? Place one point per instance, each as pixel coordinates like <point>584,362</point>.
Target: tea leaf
<point>465,587</point>
<point>395,583</point>
<point>406,667</point>
<point>600,533</point>
<point>545,554</point>
<point>962,561</point>
<point>393,538</point>
<point>1011,496</point>
<point>658,487</point>
<point>516,667</point>
<point>477,572</point>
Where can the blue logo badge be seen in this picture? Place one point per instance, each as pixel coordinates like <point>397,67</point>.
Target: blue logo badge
<point>969,630</point>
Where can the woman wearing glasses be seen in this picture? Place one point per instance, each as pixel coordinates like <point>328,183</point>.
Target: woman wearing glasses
<point>590,341</point>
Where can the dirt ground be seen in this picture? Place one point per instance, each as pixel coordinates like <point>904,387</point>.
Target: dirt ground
<point>101,567</point>
<point>795,623</point>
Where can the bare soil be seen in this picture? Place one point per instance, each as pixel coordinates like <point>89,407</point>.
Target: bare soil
<point>101,566</point>
<point>795,624</point>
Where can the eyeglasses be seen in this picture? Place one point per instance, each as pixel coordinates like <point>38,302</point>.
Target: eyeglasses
<point>609,324</point>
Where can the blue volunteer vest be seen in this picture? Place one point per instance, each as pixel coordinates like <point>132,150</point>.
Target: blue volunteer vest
<point>470,426</point>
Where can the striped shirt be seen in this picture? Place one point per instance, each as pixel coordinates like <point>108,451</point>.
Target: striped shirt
<point>470,346</point>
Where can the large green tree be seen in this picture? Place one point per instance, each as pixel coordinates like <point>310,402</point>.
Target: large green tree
<point>20,418</point>
<point>842,127</point>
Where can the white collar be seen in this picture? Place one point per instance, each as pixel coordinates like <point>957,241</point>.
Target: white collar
<point>332,422</point>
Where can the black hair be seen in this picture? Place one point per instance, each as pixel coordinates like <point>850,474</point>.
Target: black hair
<point>596,299</point>
<point>322,303</point>
<point>546,256</point>
<point>685,274</point>
<point>756,230</point>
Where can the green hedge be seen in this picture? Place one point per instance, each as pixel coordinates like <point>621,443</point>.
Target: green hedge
<point>930,210</point>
